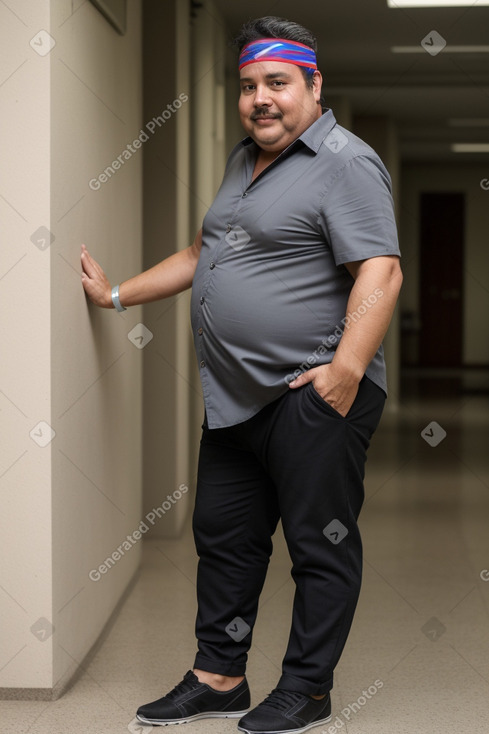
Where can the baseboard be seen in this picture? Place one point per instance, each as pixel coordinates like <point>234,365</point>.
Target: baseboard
<point>71,676</point>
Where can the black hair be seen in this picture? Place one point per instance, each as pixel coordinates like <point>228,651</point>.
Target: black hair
<point>273,27</point>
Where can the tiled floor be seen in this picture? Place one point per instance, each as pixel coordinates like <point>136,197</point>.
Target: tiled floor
<point>419,645</point>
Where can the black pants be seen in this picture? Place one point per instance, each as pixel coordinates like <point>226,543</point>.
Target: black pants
<point>301,461</point>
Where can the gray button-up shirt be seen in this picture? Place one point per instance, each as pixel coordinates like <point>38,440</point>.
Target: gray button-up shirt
<point>270,291</point>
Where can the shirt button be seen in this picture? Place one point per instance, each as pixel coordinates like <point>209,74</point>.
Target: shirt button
<point>202,364</point>
<point>212,266</point>
<point>202,300</point>
<point>228,228</point>
<point>200,331</point>
<point>244,195</point>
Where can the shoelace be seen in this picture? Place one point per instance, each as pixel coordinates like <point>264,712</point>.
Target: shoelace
<point>187,684</point>
<point>281,699</point>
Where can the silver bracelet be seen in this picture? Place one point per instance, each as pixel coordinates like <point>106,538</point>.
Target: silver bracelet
<point>115,299</point>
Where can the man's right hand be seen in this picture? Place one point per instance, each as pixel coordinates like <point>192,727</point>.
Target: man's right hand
<point>94,281</point>
<point>172,275</point>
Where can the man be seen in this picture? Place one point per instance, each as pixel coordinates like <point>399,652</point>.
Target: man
<point>294,277</point>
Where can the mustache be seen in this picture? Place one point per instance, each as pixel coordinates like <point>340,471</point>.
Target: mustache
<point>264,112</point>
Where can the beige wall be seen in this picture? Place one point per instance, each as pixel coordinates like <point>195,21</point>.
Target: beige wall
<point>69,504</point>
<point>465,178</point>
<point>167,193</point>
<point>234,130</point>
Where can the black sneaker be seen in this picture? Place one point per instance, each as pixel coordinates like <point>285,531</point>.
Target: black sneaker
<point>286,712</point>
<point>191,700</point>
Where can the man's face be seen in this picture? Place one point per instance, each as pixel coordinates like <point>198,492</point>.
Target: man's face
<point>275,105</point>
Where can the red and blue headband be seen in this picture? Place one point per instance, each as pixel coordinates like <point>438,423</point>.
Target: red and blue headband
<point>278,49</point>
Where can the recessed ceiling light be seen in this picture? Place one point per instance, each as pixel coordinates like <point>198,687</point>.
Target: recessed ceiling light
<point>470,147</point>
<point>436,3</point>
<point>447,50</point>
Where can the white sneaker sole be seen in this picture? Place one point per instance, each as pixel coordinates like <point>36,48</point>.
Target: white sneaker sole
<point>188,719</point>
<point>312,725</point>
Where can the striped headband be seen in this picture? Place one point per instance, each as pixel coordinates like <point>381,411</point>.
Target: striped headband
<point>278,49</point>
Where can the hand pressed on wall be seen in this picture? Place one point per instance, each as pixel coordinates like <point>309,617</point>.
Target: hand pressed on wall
<point>94,281</point>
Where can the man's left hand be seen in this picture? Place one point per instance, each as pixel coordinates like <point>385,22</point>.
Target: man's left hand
<point>337,389</point>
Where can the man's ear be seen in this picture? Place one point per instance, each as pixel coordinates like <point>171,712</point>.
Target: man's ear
<point>318,83</point>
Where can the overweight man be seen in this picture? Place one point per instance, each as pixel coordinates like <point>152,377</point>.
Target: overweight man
<point>295,275</point>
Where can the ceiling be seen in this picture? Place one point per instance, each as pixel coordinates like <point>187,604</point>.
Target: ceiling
<point>424,93</point>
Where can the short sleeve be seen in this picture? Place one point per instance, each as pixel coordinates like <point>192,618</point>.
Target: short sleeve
<point>357,212</point>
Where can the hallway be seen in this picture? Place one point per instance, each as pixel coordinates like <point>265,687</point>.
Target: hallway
<point>100,411</point>
<point>420,640</point>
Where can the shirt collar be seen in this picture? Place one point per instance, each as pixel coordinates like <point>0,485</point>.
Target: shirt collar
<point>314,135</point>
